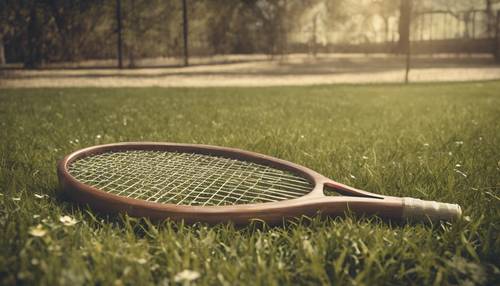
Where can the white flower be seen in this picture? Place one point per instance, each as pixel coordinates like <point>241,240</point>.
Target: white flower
<point>67,220</point>
<point>141,261</point>
<point>98,136</point>
<point>461,173</point>
<point>38,231</point>
<point>459,142</point>
<point>364,158</point>
<point>186,276</point>
<point>426,144</point>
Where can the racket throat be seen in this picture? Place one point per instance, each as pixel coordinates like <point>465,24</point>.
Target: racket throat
<point>337,189</point>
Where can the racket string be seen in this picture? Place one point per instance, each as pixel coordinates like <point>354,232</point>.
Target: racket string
<point>187,178</point>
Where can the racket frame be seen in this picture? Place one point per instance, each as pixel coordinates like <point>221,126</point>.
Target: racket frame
<point>311,204</point>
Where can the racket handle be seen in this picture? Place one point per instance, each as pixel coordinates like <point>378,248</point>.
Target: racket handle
<point>416,209</point>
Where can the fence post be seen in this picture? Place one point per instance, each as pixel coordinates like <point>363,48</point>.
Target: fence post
<point>119,31</point>
<point>185,32</point>
<point>405,34</point>
<point>473,24</point>
<point>497,37</point>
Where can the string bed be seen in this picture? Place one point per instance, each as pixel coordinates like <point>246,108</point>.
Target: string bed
<point>187,178</point>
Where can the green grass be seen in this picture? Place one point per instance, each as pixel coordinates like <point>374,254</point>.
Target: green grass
<point>433,141</point>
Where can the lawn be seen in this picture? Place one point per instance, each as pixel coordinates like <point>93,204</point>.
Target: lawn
<point>431,141</point>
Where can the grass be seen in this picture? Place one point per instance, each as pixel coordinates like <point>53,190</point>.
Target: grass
<point>433,141</point>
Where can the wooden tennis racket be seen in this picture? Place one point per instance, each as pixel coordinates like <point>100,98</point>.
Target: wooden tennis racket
<point>201,183</point>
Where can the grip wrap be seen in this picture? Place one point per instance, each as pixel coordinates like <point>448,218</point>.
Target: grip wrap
<point>416,209</point>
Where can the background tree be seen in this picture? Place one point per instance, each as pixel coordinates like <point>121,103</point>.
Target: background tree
<point>405,9</point>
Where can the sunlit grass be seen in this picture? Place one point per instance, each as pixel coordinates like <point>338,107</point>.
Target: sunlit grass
<point>436,141</point>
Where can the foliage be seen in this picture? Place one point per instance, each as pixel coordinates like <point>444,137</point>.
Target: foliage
<point>39,31</point>
<point>433,141</point>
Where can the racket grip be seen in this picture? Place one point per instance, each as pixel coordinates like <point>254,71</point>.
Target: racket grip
<point>416,209</point>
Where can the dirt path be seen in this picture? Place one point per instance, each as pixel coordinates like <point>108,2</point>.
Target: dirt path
<point>295,70</point>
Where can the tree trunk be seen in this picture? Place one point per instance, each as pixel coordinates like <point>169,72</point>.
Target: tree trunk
<point>185,32</point>
<point>119,32</point>
<point>314,39</point>
<point>404,33</point>
<point>497,37</point>
<point>386,26</point>
<point>34,57</point>
<point>2,51</point>
<point>490,19</point>
<point>404,25</point>
<point>284,29</point>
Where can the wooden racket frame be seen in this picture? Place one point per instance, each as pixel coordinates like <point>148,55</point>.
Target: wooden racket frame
<point>313,203</point>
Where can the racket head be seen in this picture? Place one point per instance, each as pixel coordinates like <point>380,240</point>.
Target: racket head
<point>74,185</point>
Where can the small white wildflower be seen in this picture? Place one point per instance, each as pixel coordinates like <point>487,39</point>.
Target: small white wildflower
<point>364,158</point>
<point>426,144</point>
<point>38,231</point>
<point>450,153</point>
<point>461,173</point>
<point>67,220</point>
<point>76,141</point>
<point>301,136</point>
<point>186,276</point>
<point>306,244</point>
<point>141,261</point>
<point>458,165</point>
<point>459,142</point>
<point>98,136</point>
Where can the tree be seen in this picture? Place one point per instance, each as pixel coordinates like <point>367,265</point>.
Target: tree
<point>386,9</point>
<point>35,41</point>
<point>220,24</point>
<point>7,25</point>
<point>404,25</point>
<point>74,22</point>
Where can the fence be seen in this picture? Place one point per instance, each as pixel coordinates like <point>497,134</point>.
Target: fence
<point>134,33</point>
<point>473,31</point>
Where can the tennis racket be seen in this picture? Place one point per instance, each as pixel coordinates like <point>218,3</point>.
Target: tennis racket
<point>201,183</point>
